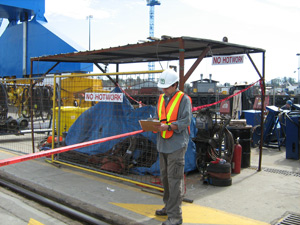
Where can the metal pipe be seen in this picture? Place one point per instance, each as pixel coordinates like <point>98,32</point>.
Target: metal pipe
<point>44,75</point>
<point>274,94</point>
<point>298,68</point>
<point>35,131</point>
<point>53,113</point>
<point>54,205</point>
<point>59,111</point>
<point>21,79</point>
<point>253,64</point>
<point>117,69</point>
<point>263,89</point>
<point>196,63</point>
<point>89,17</point>
<point>25,41</point>
<point>112,80</point>
<point>109,74</point>
<point>181,65</point>
<point>31,106</point>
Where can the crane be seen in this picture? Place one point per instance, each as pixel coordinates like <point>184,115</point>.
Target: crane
<point>151,3</point>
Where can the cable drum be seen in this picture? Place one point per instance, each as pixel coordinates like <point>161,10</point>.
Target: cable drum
<point>12,125</point>
<point>22,123</point>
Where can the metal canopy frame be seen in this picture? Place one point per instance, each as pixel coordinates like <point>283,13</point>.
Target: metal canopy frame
<point>165,49</point>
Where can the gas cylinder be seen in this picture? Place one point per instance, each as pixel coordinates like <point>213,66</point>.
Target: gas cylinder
<point>237,158</point>
<point>49,139</point>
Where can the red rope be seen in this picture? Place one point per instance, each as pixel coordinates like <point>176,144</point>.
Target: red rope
<point>202,106</point>
<point>17,159</point>
<point>139,102</point>
<point>229,97</point>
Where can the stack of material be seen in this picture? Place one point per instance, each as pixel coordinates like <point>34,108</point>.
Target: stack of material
<point>219,174</point>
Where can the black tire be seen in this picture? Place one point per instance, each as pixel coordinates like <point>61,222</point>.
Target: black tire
<point>219,168</point>
<point>219,175</point>
<point>220,182</point>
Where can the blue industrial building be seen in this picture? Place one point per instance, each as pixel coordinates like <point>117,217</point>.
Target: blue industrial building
<point>26,36</point>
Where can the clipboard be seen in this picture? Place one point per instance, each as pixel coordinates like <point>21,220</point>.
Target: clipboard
<point>149,125</point>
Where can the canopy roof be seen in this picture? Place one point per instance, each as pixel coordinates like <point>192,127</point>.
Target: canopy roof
<point>166,49</point>
<point>160,50</point>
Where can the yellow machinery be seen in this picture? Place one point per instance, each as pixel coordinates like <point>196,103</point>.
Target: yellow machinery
<point>73,90</point>
<point>68,115</point>
<point>15,89</point>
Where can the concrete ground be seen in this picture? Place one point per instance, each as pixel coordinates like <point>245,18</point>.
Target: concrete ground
<point>253,198</point>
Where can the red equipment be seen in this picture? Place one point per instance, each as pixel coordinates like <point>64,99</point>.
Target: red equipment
<point>237,158</point>
<point>225,107</point>
<point>49,139</point>
<point>257,102</point>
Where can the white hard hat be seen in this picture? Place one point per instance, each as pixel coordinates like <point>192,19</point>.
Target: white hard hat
<point>167,78</point>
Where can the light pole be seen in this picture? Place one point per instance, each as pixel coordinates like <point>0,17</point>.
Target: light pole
<point>89,17</point>
<point>298,69</point>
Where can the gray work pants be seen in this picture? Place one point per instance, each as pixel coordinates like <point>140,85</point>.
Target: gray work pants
<point>172,177</point>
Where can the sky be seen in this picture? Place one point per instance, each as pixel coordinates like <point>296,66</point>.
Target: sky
<point>272,25</point>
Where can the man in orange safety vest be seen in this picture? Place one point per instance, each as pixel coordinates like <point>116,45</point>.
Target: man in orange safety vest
<point>174,110</point>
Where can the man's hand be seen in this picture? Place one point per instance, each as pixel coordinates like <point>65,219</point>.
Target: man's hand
<point>162,127</point>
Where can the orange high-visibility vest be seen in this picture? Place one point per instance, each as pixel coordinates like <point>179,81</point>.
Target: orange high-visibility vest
<point>169,114</point>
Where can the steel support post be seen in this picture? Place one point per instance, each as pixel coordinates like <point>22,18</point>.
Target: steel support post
<point>181,65</point>
<point>196,63</point>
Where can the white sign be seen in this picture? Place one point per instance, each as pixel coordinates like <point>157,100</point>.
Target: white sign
<point>224,60</point>
<point>104,97</point>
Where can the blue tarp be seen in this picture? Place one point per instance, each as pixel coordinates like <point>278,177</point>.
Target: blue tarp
<point>107,119</point>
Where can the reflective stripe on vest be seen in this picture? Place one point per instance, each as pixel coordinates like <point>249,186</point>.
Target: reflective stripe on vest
<point>169,114</point>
